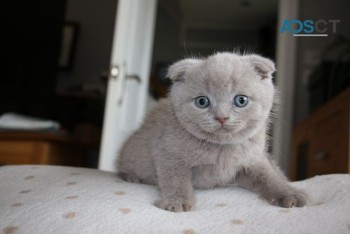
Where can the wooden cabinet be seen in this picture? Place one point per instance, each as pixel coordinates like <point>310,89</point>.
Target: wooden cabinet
<point>321,142</point>
<point>40,148</point>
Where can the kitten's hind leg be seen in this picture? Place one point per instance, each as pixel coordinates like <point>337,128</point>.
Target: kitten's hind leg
<point>129,177</point>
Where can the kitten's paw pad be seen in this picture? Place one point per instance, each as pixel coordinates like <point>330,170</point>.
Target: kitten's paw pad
<point>174,205</point>
<point>301,199</point>
<point>187,206</point>
<point>288,201</point>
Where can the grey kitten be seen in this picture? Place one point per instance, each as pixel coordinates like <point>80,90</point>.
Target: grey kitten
<point>209,132</point>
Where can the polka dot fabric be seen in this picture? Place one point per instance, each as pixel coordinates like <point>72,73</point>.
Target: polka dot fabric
<point>54,199</point>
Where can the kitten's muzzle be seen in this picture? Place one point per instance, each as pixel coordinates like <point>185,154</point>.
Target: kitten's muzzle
<point>221,120</point>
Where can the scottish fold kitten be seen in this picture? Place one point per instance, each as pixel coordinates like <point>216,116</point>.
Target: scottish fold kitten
<point>209,132</point>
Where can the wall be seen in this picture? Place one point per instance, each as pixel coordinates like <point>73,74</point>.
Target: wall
<point>96,20</point>
<point>170,43</point>
<point>309,48</point>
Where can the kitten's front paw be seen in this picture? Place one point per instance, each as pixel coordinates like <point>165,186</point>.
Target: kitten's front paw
<point>175,205</point>
<point>295,199</point>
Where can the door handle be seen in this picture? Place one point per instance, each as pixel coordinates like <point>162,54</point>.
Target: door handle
<point>134,77</point>
<point>114,72</point>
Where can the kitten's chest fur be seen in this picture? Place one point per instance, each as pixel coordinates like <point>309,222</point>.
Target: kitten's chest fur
<point>220,164</point>
<point>213,164</point>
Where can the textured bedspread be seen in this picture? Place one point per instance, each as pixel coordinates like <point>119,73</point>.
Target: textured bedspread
<point>52,199</point>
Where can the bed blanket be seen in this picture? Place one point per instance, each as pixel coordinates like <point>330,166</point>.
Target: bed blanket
<point>64,200</point>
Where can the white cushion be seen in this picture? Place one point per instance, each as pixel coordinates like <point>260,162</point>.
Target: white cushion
<point>63,200</point>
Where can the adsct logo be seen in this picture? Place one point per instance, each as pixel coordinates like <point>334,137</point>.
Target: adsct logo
<point>310,28</point>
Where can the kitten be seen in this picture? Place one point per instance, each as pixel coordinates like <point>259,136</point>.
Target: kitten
<point>209,132</point>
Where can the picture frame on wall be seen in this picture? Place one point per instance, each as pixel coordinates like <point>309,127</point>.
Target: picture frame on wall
<point>69,40</point>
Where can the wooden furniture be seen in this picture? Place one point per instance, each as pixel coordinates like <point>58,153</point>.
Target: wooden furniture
<point>321,142</point>
<point>25,147</point>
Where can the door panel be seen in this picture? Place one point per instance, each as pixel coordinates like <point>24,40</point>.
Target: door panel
<point>127,91</point>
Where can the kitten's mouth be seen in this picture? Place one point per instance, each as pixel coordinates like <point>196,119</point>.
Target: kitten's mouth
<point>220,129</point>
<point>227,129</point>
<point>223,129</point>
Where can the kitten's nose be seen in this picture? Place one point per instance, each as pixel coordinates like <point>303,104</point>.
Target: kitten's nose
<point>221,120</point>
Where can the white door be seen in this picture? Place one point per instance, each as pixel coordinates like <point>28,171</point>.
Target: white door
<point>129,76</point>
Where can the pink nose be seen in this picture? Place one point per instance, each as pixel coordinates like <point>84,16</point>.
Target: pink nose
<point>221,120</point>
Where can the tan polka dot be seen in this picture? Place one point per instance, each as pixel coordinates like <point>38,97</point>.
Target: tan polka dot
<point>221,205</point>
<point>69,215</point>
<point>71,197</point>
<point>17,204</point>
<point>237,221</point>
<point>25,191</point>
<point>74,173</point>
<point>284,211</point>
<point>29,177</point>
<point>10,230</point>
<point>72,183</point>
<point>189,231</point>
<point>120,193</point>
<point>125,210</point>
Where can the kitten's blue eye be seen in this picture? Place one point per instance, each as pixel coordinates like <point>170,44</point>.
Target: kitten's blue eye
<point>241,100</point>
<point>202,102</point>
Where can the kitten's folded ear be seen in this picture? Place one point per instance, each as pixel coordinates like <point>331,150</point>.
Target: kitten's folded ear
<point>177,70</point>
<point>263,66</point>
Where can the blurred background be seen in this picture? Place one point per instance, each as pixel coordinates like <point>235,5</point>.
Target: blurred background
<point>56,59</point>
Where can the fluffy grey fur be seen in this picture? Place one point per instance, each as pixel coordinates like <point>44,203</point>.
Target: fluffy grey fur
<point>181,146</point>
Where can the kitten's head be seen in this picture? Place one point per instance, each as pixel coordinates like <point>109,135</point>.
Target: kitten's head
<point>225,98</point>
